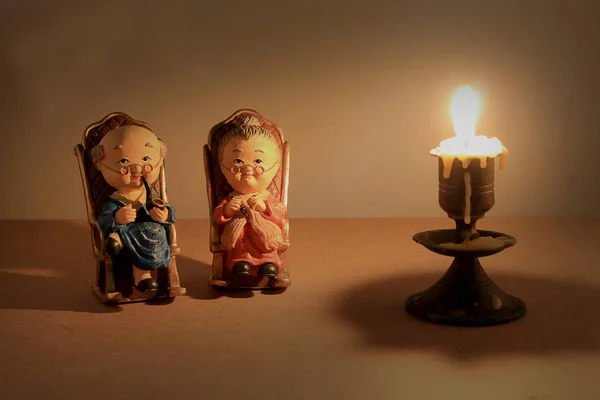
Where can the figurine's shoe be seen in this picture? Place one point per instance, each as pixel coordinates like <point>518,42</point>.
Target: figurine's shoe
<point>147,285</point>
<point>268,269</point>
<point>241,268</point>
<point>113,247</point>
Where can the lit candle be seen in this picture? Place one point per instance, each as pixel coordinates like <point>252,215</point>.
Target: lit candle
<point>467,145</point>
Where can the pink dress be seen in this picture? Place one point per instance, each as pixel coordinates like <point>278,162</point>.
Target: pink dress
<point>246,249</point>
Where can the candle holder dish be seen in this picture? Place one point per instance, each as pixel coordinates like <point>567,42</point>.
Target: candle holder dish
<point>465,295</point>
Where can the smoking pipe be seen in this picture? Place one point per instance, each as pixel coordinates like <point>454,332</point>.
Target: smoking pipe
<point>151,199</point>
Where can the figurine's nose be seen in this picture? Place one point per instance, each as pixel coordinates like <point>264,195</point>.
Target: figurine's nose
<point>247,169</point>
<point>136,169</point>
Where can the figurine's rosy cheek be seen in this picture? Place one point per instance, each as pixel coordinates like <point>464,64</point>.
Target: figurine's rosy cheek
<point>235,170</point>
<point>147,168</point>
<point>259,170</point>
<point>124,170</point>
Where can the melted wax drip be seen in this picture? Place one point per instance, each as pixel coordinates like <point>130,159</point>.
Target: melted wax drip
<point>480,243</point>
<point>495,149</point>
<point>467,213</point>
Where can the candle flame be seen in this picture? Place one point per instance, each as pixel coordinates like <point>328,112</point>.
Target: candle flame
<point>465,109</point>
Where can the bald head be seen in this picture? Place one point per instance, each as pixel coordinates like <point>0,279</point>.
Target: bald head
<point>127,135</point>
<point>129,139</point>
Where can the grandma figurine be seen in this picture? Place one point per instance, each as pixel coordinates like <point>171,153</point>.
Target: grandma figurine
<point>134,221</point>
<point>251,220</point>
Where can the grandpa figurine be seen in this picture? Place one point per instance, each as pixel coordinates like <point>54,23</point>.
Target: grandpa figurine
<point>129,157</point>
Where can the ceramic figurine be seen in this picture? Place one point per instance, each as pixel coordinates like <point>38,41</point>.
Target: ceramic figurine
<point>247,167</point>
<point>121,162</point>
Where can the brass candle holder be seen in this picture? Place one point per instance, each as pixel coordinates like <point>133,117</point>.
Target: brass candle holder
<point>465,295</point>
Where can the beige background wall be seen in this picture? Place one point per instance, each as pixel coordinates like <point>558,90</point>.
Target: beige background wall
<point>361,90</point>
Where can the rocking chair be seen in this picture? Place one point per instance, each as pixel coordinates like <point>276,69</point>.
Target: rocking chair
<point>114,280</point>
<point>218,188</point>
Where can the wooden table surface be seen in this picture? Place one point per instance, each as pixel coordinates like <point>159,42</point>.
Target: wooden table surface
<point>339,332</point>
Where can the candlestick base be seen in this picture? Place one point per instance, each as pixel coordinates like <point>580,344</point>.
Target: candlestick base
<point>465,295</point>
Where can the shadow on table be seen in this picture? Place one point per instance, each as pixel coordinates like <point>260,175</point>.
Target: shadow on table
<point>194,276</point>
<point>561,317</point>
<point>48,265</point>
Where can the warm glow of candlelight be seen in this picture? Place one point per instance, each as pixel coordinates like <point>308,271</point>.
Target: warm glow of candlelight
<point>465,108</point>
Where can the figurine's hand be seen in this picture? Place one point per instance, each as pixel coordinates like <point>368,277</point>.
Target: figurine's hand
<point>159,215</point>
<point>233,206</point>
<point>125,215</point>
<point>257,204</point>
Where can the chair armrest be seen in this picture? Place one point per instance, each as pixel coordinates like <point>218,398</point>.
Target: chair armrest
<point>175,249</point>
<point>217,248</point>
<point>98,242</point>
